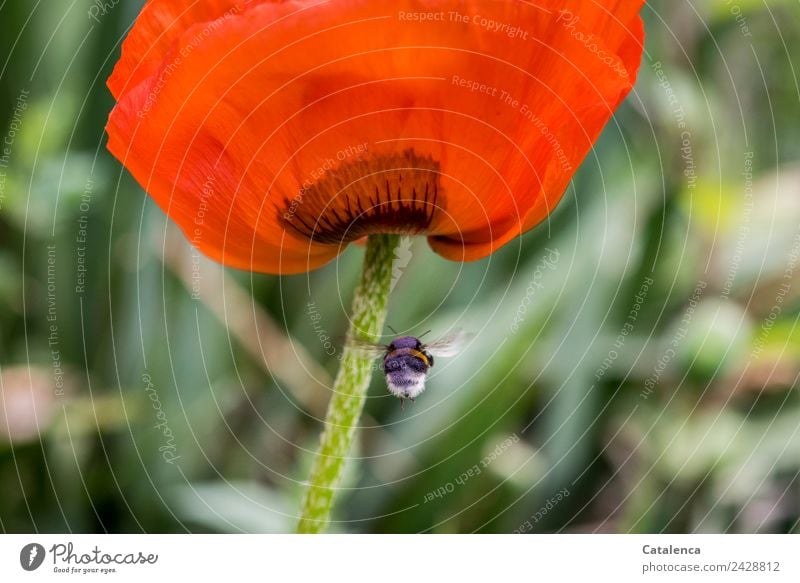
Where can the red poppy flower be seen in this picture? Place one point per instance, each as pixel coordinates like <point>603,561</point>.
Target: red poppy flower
<point>274,133</point>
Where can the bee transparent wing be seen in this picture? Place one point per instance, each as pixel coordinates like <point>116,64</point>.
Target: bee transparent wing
<point>449,345</point>
<point>368,348</point>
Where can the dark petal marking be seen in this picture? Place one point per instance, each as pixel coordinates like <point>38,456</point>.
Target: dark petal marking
<point>312,215</point>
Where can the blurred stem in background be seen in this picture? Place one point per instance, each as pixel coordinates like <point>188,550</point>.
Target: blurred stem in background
<point>350,388</point>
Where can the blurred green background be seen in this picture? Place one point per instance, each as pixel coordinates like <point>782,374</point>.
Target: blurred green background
<point>637,359</point>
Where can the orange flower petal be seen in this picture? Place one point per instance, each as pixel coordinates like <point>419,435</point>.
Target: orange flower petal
<point>155,32</point>
<point>309,125</point>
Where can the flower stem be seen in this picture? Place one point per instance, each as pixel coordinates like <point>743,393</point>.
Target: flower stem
<point>350,387</point>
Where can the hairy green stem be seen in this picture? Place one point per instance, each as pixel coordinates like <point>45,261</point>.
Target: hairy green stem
<point>350,387</point>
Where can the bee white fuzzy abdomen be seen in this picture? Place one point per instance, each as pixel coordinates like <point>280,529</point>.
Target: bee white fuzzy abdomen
<point>409,385</point>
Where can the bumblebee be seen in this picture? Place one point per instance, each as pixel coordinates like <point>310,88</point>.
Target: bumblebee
<point>407,361</point>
